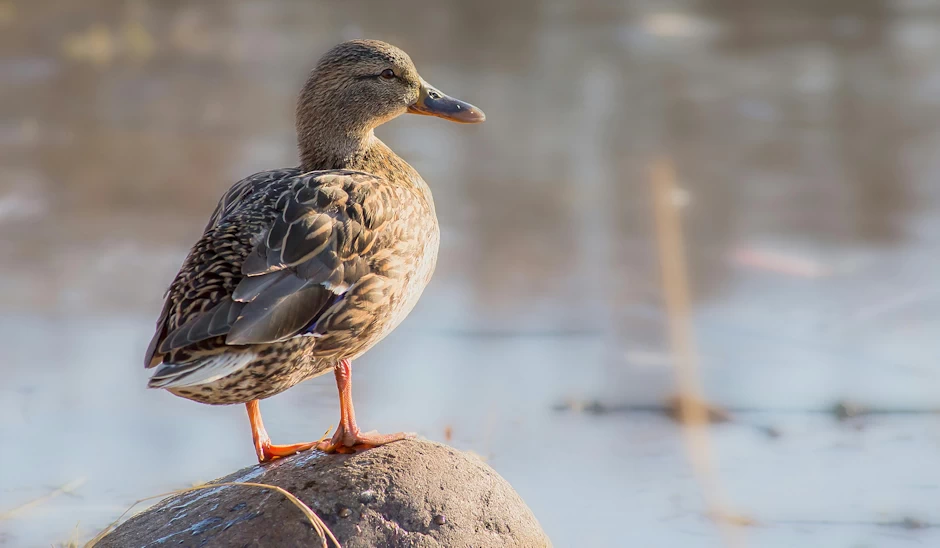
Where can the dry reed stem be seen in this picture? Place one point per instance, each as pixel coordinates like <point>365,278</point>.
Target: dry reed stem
<point>693,414</point>
<point>67,488</point>
<point>314,519</point>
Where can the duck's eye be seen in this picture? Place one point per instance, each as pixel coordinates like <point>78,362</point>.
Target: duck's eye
<point>388,74</point>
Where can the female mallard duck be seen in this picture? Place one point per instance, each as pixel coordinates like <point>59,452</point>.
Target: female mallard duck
<point>301,270</point>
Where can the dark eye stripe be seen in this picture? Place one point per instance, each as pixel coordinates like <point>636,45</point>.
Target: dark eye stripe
<point>368,76</point>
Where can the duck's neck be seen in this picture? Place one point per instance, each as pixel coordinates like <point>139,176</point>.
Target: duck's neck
<point>362,153</point>
<point>337,151</point>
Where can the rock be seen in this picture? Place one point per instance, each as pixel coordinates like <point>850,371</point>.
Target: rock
<point>409,493</point>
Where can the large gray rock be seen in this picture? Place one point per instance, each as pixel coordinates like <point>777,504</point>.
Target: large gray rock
<point>408,494</point>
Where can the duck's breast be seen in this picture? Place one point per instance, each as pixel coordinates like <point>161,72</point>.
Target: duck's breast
<point>415,241</point>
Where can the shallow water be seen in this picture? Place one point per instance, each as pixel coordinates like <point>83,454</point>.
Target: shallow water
<point>804,136</point>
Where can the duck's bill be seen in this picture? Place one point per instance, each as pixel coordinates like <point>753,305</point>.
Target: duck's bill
<point>432,102</point>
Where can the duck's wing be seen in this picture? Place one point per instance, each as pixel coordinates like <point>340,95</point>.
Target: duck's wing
<point>295,276</point>
<point>212,268</point>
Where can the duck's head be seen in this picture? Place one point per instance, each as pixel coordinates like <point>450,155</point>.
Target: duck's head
<point>361,84</point>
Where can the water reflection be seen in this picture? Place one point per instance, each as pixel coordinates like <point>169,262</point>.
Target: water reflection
<point>804,135</point>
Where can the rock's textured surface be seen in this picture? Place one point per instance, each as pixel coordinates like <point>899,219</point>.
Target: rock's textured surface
<point>406,494</point>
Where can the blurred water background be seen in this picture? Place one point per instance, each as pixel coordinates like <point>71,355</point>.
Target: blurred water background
<point>805,136</point>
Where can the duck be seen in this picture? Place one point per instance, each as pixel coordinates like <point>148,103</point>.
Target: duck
<point>301,270</point>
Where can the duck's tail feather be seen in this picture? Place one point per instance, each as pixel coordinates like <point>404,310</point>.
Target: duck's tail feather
<point>202,371</point>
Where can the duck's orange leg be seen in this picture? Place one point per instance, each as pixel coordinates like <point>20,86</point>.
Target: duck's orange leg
<point>266,450</point>
<point>348,438</point>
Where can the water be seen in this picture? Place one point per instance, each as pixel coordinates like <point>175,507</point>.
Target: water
<point>804,135</point>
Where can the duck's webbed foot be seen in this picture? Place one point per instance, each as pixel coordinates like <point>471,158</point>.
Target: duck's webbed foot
<point>348,438</point>
<point>266,450</point>
<point>346,441</point>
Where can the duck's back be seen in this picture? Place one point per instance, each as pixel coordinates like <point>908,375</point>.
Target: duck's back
<point>311,265</point>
